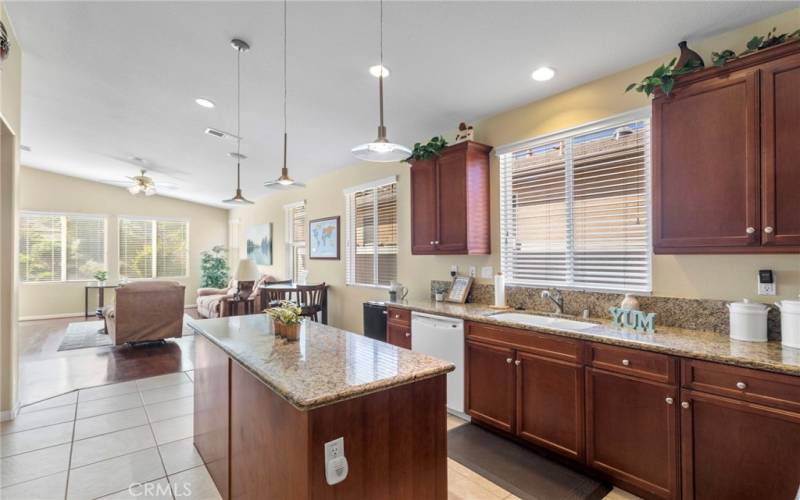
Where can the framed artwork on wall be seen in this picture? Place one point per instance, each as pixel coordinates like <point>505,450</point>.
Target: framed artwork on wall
<point>324,238</point>
<point>259,243</point>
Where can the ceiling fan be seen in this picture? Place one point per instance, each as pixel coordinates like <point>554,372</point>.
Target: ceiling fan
<point>142,185</point>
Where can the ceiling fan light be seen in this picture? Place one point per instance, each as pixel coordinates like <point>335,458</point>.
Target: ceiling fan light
<point>149,190</point>
<point>135,189</point>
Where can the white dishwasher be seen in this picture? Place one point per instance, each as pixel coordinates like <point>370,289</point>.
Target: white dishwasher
<point>442,338</point>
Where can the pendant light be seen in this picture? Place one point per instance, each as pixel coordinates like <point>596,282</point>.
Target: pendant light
<point>240,46</point>
<point>381,149</point>
<point>284,181</point>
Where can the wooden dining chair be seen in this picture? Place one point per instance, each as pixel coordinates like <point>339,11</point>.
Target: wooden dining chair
<point>274,297</point>
<point>309,297</point>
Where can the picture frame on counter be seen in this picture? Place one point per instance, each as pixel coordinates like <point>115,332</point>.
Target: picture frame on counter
<point>459,289</point>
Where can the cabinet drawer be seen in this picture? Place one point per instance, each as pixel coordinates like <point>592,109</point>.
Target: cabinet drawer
<point>772,389</point>
<point>397,315</point>
<point>543,344</point>
<point>642,364</point>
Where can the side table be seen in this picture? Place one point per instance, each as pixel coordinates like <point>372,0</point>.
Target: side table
<point>248,305</point>
<point>100,296</point>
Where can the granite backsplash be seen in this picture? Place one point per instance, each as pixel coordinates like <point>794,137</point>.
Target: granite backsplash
<point>693,314</point>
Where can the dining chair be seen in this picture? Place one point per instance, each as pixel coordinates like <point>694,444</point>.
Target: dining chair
<point>309,297</point>
<point>274,297</point>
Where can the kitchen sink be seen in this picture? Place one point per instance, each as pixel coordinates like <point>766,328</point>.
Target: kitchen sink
<point>545,321</point>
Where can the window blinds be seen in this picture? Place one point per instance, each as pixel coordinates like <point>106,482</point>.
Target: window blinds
<point>153,248</point>
<point>297,236</point>
<point>57,247</point>
<point>575,211</point>
<point>372,235</point>
<point>171,252</point>
<point>136,248</point>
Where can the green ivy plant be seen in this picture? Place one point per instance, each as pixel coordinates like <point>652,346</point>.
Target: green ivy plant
<point>663,77</point>
<point>214,267</point>
<point>101,275</point>
<point>429,150</point>
<point>756,43</point>
<point>287,313</point>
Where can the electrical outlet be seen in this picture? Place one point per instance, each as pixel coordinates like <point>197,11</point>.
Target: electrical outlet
<point>487,272</point>
<point>766,288</point>
<point>766,282</point>
<point>454,268</point>
<point>334,449</point>
<point>336,466</point>
<point>472,271</point>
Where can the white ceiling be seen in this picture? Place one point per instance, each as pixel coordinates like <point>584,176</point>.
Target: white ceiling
<point>104,81</point>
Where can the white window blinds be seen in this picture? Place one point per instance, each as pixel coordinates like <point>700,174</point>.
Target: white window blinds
<point>575,211</point>
<point>296,239</point>
<point>371,217</point>
<point>58,247</point>
<point>153,248</point>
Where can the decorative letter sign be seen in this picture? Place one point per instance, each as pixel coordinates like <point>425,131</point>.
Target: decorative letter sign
<point>638,320</point>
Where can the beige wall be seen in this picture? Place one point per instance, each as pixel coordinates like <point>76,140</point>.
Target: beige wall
<point>45,191</point>
<point>719,277</point>
<point>10,107</point>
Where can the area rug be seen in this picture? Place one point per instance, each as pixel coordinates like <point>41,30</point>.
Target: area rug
<point>518,469</point>
<point>85,334</point>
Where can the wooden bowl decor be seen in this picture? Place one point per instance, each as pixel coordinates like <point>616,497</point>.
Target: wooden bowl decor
<point>5,47</point>
<point>286,318</point>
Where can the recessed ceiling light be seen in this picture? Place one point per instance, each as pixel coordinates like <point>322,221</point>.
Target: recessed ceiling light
<point>204,102</point>
<point>543,74</point>
<point>376,71</point>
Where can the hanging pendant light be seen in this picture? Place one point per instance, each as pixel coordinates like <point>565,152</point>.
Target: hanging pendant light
<point>284,181</point>
<point>381,149</point>
<point>238,199</point>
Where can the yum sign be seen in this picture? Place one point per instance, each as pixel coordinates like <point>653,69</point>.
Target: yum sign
<point>629,318</point>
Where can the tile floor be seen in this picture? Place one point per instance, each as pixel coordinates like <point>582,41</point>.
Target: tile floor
<point>134,440</point>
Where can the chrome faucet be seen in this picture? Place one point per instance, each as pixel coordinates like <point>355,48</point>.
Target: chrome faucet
<point>556,298</point>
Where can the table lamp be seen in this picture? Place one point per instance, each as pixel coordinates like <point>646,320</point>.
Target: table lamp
<point>246,276</point>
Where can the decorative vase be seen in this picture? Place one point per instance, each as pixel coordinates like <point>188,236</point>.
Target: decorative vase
<point>630,303</point>
<point>291,332</point>
<point>688,56</point>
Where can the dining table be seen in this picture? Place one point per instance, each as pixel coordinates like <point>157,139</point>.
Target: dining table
<point>289,289</point>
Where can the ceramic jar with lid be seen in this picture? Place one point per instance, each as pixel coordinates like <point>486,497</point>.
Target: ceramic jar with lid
<point>790,322</point>
<point>748,321</point>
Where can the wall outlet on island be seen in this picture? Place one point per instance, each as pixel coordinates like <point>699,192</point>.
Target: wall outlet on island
<point>335,462</point>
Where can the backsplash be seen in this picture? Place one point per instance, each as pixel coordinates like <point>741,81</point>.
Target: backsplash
<point>694,314</point>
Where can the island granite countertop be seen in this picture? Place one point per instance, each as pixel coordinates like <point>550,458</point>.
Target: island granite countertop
<point>326,365</point>
<point>709,346</point>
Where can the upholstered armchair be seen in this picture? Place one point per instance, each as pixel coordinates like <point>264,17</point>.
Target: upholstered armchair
<point>145,311</point>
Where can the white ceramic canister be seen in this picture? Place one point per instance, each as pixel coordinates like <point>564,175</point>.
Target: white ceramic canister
<point>748,321</point>
<point>790,322</point>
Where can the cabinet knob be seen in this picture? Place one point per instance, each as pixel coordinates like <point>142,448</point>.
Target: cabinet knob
<point>517,362</point>
<point>431,242</point>
<point>741,385</point>
<point>625,362</point>
<point>408,334</point>
<point>437,242</point>
<point>509,360</point>
<point>685,404</point>
<point>669,401</point>
<point>768,229</point>
<point>750,230</point>
<point>396,316</point>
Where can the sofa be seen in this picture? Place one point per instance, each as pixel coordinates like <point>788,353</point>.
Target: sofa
<point>145,311</point>
<point>211,301</point>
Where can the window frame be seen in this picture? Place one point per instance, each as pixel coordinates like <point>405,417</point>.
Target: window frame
<point>291,244</point>
<point>154,232</point>
<point>349,194</point>
<point>64,216</point>
<point>640,114</point>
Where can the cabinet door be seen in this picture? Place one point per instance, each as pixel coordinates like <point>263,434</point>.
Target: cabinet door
<point>452,172</point>
<point>780,164</point>
<point>737,450</point>
<point>550,403</point>
<point>706,166</point>
<point>399,335</point>
<point>632,431</point>
<point>423,207</point>
<point>490,384</point>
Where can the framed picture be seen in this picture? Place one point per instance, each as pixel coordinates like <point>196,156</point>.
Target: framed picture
<point>324,238</point>
<point>459,289</point>
<point>259,243</point>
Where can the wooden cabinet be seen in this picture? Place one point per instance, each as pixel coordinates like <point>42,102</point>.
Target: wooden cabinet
<point>726,160</point>
<point>490,384</point>
<point>632,431</point>
<point>398,334</point>
<point>450,201</point>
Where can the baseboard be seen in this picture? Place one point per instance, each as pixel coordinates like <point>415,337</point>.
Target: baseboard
<point>52,316</point>
<point>9,414</point>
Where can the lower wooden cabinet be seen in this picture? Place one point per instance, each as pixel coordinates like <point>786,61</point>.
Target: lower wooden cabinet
<point>490,384</point>
<point>398,334</point>
<point>632,431</point>
<point>738,450</point>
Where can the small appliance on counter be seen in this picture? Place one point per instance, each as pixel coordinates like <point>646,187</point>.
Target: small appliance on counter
<point>375,320</point>
<point>790,322</point>
<point>748,321</point>
<point>397,292</point>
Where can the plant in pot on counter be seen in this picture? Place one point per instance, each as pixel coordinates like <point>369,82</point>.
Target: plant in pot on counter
<point>663,77</point>
<point>429,150</point>
<point>101,276</point>
<point>287,319</point>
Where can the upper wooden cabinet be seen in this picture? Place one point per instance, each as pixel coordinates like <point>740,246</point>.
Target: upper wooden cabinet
<point>450,201</point>
<point>726,159</point>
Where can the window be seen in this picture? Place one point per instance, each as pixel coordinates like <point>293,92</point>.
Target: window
<point>153,248</point>
<point>575,208</point>
<point>296,240</point>
<point>371,228</point>
<point>60,247</point>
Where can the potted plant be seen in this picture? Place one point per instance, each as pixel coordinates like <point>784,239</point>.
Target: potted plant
<point>101,277</point>
<point>427,151</point>
<point>286,318</point>
<point>214,267</point>
<point>663,77</point>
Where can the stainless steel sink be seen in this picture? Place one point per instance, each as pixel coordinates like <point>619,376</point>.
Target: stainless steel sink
<point>545,321</point>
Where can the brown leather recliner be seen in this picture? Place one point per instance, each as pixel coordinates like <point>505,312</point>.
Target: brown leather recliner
<point>146,311</point>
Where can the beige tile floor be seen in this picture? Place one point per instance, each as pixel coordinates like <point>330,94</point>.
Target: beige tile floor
<point>97,442</point>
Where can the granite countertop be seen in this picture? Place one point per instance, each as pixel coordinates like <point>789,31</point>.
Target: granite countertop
<point>709,346</point>
<point>326,365</point>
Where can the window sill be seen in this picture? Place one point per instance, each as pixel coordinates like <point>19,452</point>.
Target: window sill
<point>365,285</point>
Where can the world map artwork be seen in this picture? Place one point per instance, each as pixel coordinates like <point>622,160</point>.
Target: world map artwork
<point>324,238</point>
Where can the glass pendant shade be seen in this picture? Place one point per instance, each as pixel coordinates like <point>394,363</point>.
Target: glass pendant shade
<point>238,199</point>
<point>381,150</point>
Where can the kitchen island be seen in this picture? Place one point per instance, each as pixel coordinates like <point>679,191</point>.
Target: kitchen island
<point>265,407</point>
